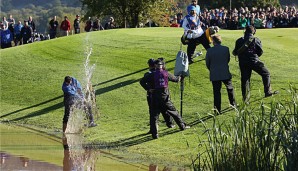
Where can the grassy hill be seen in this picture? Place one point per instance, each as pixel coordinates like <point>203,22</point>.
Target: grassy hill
<point>32,76</point>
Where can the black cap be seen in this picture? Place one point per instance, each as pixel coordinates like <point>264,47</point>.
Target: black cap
<point>151,62</point>
<point>158,62</point>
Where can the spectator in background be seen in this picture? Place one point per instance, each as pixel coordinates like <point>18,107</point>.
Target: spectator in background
<point>242,22</point>
<point>26,33</point>
<point>258,22</point>
<point>194,4</point>
<point>76,24</point>
<point>111,24</point>
<point>17,33</point>
<point>88,25</point>
<point>97,25</point>
<point>180,19</point>
<point>6,37</point>
<point>11,23</point>
<point>174,22</point>
<point>5,23</point>
<point>31,24</point>
<point>65,26</point>
<point>53,27</point>
<point>233,23</point>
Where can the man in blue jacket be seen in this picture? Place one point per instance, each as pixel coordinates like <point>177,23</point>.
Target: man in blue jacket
<point>73,97</point>
<point>6,37</point>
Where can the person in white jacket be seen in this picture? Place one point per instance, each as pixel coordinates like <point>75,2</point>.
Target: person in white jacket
<point>193,33</point>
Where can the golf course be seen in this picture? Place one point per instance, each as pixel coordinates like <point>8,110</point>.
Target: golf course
<point>32,75</point>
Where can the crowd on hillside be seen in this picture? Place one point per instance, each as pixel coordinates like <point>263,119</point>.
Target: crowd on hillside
<point>19,33</point>
<point>270,17</point>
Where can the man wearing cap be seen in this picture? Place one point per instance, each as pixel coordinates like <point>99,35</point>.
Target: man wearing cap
<point>157,84</point>
<point>76,24</point>
<point>217,62</point>
<point>65,26</point>
<point>168,119</point>
<point>194,33</point>
<point>249,49</point>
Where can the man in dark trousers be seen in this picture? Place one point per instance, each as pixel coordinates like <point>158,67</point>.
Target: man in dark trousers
<point>194,33</point>
<point>168,119</point>
<point>157,84</point>
<point>26,33</point>
<point>249,49</point>
<point>217,62</point>
<point>76,24</point>
<point>73,97</point>
<point>53,27</point>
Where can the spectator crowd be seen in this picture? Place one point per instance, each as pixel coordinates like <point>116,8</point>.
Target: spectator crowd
<point>270,17</point>
<point>19,33</point>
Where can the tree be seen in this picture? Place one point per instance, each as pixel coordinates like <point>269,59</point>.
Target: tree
<point>128,12</point>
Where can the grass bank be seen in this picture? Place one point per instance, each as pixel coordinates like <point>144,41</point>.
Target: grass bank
<point>32,75</point>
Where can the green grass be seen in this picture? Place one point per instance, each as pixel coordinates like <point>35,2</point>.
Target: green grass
<point>32,75</point>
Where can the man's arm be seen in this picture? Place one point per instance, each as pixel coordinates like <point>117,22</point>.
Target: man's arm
<point>173,78</point>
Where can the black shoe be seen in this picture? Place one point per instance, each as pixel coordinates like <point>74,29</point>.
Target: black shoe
<point>271,93</point>
<point>155,136</point>
<point>184,127</point>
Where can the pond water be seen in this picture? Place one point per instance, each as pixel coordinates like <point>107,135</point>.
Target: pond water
<point>25,149</point>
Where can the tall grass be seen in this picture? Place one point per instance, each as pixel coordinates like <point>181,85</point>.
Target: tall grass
<point>260,138</point>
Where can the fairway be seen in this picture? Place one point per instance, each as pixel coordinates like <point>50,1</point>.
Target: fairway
<point>32,75</point>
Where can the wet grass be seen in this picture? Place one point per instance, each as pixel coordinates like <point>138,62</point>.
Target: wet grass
<point>32,75</point>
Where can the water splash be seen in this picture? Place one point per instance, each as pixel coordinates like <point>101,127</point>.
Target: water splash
<point>85,106</point>
<point>81,157</point>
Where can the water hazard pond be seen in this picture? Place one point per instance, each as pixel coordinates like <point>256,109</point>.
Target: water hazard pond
<point>24,149</point>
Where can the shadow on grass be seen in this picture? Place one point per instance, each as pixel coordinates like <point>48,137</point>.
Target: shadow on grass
<point>59,105</point>
<point>39,104</point>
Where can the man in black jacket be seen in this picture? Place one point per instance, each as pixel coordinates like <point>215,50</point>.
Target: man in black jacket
<point>249,49</point>
<point>168,119</point>
<point>157,84</point>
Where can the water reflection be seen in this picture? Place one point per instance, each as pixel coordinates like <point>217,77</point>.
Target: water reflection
<point>10,162</point>
<point>78,156</point>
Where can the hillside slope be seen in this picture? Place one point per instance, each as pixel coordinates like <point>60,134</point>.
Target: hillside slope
<point>32,75</point>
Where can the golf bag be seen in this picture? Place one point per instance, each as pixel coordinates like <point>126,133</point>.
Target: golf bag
<point>181,65</point>
<point>182,70</point>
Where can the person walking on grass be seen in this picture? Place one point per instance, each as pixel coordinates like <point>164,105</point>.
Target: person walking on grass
<point>249,49</point>
<point>157,84</point>
<point>217,62</point>
<point>73,97</point>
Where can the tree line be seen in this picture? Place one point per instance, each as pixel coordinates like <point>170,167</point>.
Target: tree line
<point>127,13</point>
